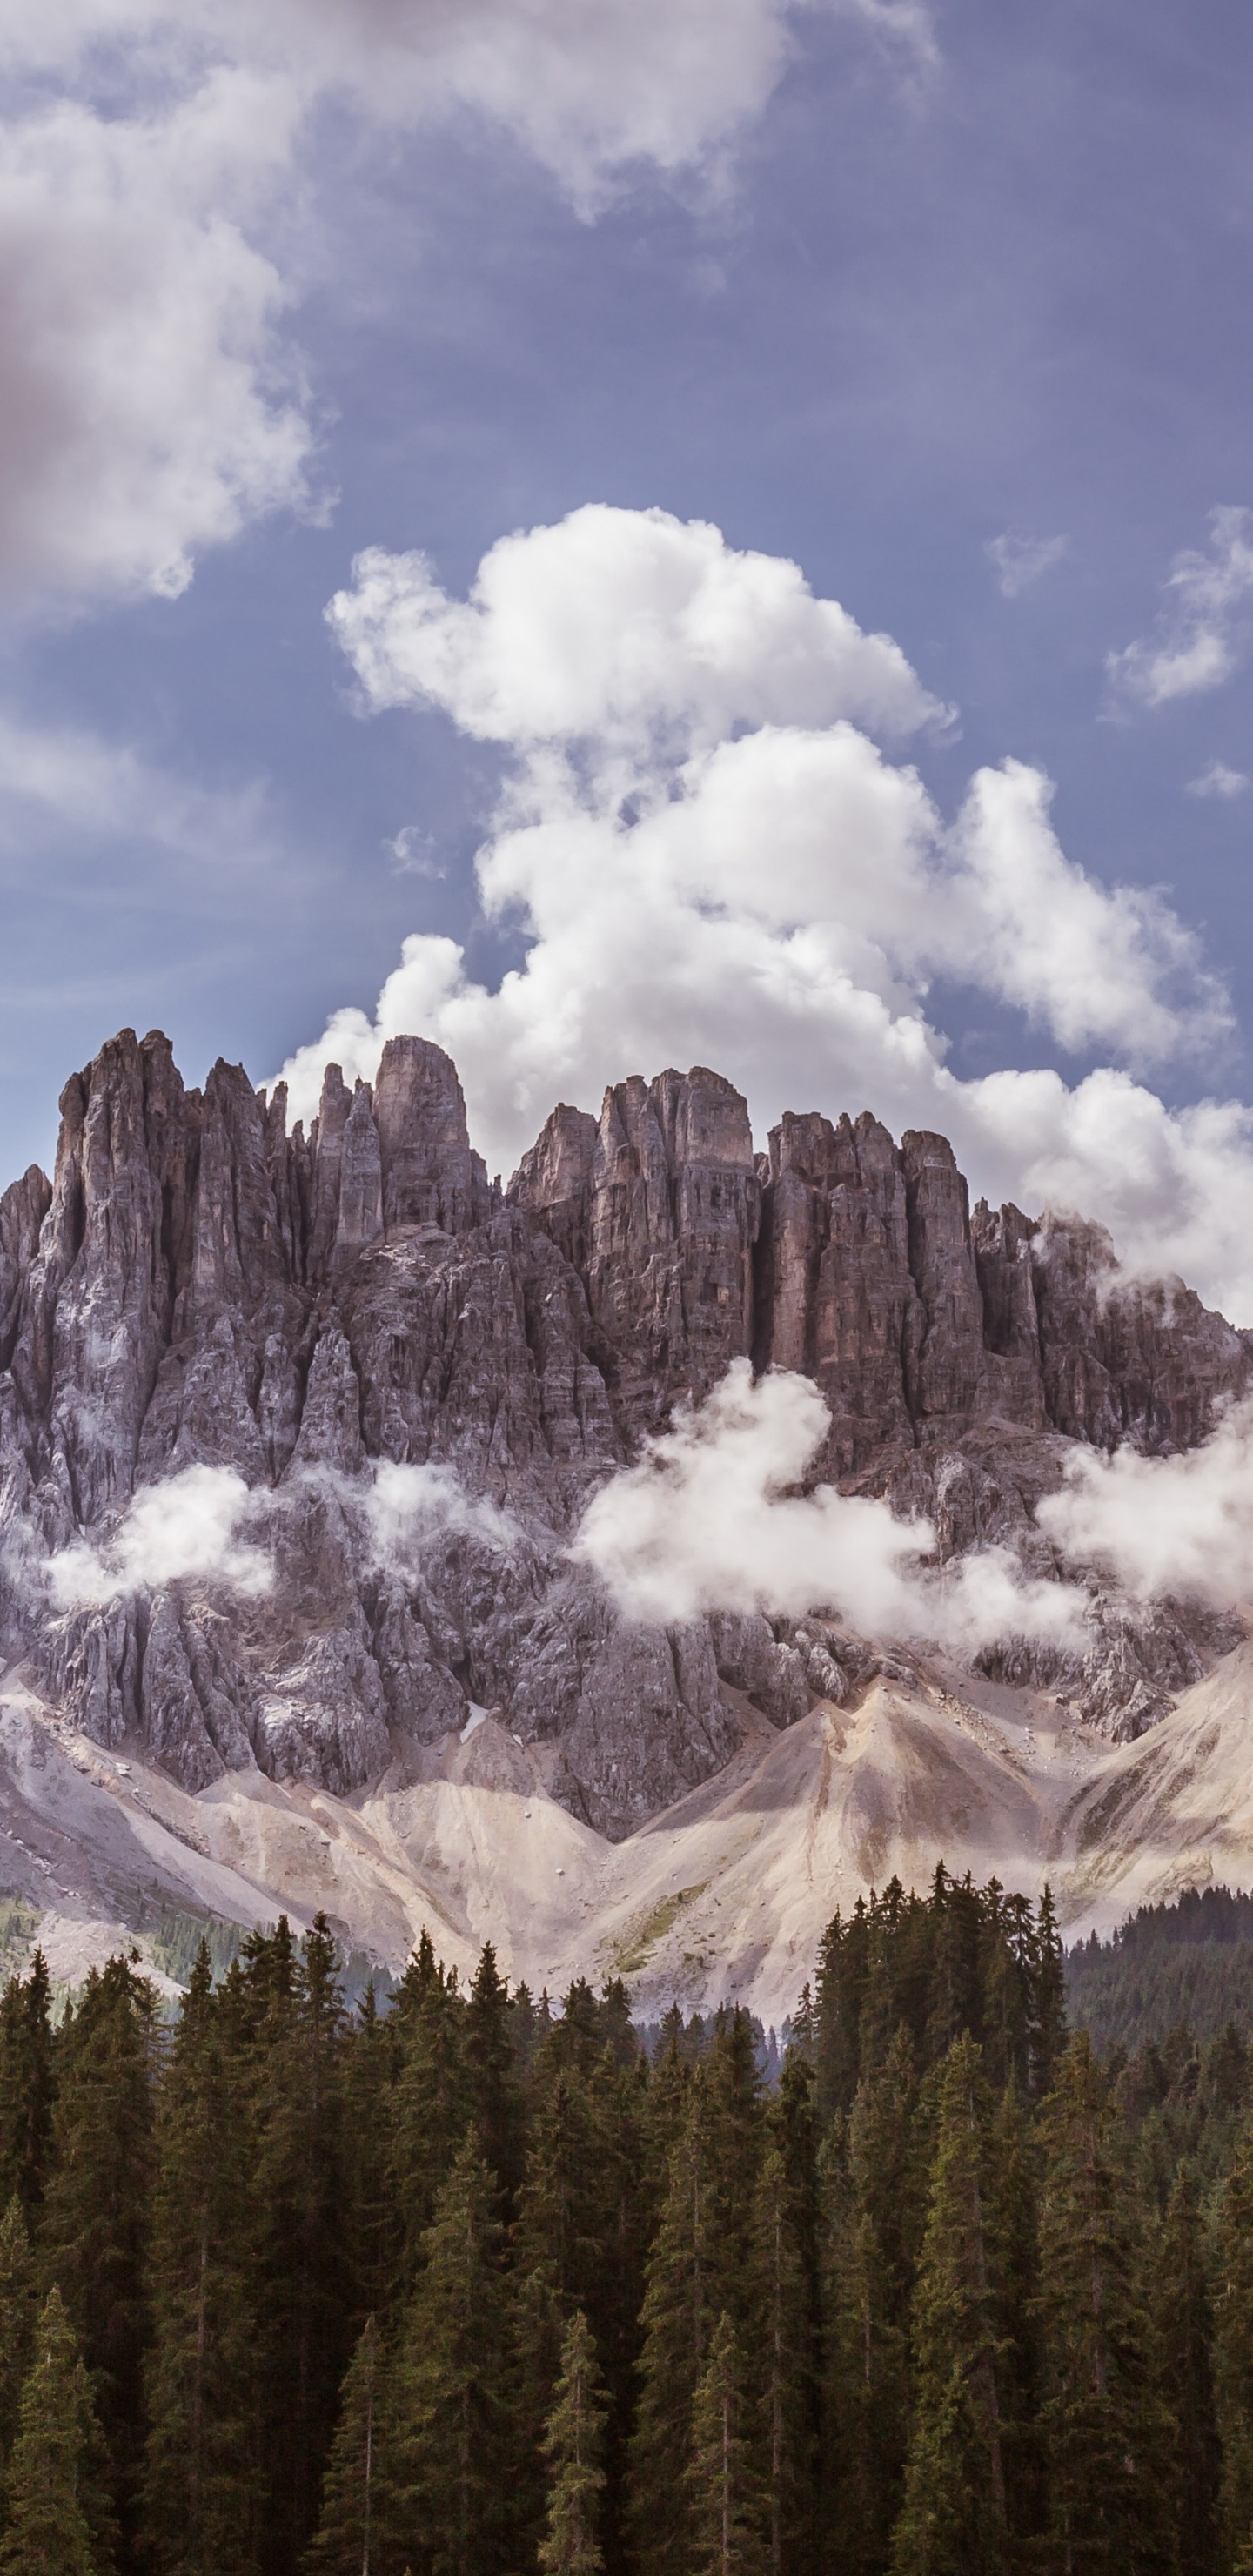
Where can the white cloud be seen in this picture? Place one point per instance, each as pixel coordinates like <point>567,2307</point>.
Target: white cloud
<point>406,1506</point>
<point>148,256</point>
<point>143,415</point>
<point>1197,637</point>
<point>1218,780</point>
<point>1181,1525</point>
<point>772,901</point>
<point>705,1521</point>
<point>184,1529</point>
<point>1019,560</point>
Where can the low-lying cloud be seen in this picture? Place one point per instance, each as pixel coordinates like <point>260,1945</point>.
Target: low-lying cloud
<point>189,1528</point>
<point>408,1506</point>
<point>706,1521</point>
<point>1180,1525</point>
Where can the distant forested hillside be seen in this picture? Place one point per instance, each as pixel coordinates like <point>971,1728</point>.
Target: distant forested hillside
<point>1187,1965</point>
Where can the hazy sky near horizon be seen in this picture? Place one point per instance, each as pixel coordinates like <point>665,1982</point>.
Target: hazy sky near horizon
<point>944,307</point>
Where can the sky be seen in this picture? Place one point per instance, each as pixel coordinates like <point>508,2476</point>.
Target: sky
<point>705,531</point>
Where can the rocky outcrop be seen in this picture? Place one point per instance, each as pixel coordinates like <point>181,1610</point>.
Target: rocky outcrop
<point>198,1286</point>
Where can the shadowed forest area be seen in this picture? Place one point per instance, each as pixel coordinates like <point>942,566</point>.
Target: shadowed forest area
<point>470,2288</point>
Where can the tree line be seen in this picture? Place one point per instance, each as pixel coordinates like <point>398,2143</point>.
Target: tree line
<point>473,2288</point>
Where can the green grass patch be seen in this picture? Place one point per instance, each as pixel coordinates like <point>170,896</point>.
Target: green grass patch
<point>637,1945</point>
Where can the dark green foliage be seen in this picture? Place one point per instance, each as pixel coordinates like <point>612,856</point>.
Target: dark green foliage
<point>354,2530</point>
<point>57,2521</point>
<point>1188,1962</point>
<point>572,2446</point>
<point>477,2287</point>
<point>200,2488</point>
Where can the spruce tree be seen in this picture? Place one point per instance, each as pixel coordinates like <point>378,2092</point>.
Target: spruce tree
<point>1179,2301</point>
<point>1103,2425</point>
<point>57,2523</point>
<point>200,2488</point>
<point>27,2085</point>
<point>953,2518</point>
<point>353,2534</point>
<point>572,2446</point>
<point>725,2507</point>
<point>451,2438</point>
<point>94,2237</point>
<point>1233,2344</point>
<point>869,2187</point>
<point>685,2272</point>
<point>785,2362</point>
<point>19,2308</point>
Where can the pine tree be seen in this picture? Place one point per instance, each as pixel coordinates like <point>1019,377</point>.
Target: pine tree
<point>869,2191</point>
<point>94,2238</point>
<point>200,2494</point>
<point>353,2533</point>
<point>678,2316</point>
<point>1103,2427</point>
<point>1233,2344</point>
<point>27,2085</point>
<point>491,2092</point>
<point>953,2518</point>
<point>429,2103</point>
<point>301,2269</point>
<point>1179,2299</point>
<point>725,2499</point>
<point>784,2344</point>
<point>57,2524</point>
<point>572,2447</point>
<point>19,2308</point>
<point>452,2429</point>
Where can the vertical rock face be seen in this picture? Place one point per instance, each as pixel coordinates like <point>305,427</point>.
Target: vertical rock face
<point>663,1205</point>
<point>198,1287</point>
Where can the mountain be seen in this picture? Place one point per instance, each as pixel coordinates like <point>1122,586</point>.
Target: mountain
<point>483,1735</point>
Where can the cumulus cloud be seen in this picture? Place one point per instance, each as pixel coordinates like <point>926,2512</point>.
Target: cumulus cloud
<point>153,406</point>
<point>1181,1525</point>
<point>705,1521</point>
<point>708,859</point>
<point>188,1528</point>
<point>145,414</point>
<point>407,1506</point>
<point>1196,640</point>
<point>1218,780</point>
<point>1019,560</point>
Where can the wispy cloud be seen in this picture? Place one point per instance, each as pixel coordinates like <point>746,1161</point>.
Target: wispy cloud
<point>1218,780</point>
<point>1018,559</point>
<point>1196,640</point>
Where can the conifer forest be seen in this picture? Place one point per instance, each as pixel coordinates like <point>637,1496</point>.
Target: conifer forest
<point>472,2287</point>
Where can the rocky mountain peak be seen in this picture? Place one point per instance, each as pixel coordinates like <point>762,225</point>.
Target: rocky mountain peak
<point>200,1287</point>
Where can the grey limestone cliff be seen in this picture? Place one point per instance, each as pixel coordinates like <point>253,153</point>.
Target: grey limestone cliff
<point>201,1286</point>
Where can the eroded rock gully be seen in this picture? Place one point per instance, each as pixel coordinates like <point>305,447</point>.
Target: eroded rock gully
<point>199,1285</point>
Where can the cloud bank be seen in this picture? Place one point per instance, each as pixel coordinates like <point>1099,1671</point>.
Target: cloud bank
<point>708,858</point>
<point>705,1521</point>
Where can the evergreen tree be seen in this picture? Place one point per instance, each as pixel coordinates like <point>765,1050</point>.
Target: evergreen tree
<point>429,2103</point>
<point>572,2447</point>
<point>452,2429</point>
<point>1103,2428</point>
<point>354,2531</point>
<point>301,2268</point>
<point>94,2239</point>
<point>725,2498</point>
<point>1180,2305</point>
<point>685,2271</point>
<point>1233,2344</point>
<point>27,2085</point>
<point>491,2094</point>
<point>953,2518</point>
<point>784,2343</point>
<point>200,2494</point>
<point>57,2523</point>
<point>869,2191</point>
<point>19,2306</point>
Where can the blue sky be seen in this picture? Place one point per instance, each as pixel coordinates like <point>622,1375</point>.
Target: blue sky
<point>947,309</point>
